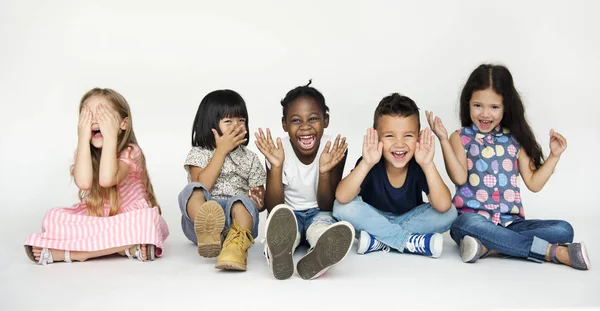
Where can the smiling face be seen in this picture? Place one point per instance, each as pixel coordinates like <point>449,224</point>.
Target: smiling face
<point>486,109</point>
<point>92,104</point>
<point>305,124</point>
<point>399,136</point>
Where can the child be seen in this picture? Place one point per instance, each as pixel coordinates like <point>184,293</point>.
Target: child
<point>221,172</point>
<point>485,158</point>
<point>303,171</point>
<point>118,212</point>
<point>383,195</point>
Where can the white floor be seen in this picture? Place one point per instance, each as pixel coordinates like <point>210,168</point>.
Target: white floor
<point>392,281</point>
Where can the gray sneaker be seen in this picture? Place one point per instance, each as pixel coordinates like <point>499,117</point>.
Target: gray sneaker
<point>470,249</point>
<point>577,254</point>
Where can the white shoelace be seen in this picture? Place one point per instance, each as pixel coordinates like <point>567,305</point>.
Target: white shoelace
<point>416,244</point>
<point>377,245</point>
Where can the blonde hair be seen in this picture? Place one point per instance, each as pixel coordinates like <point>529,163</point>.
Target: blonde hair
<point>96,194</point>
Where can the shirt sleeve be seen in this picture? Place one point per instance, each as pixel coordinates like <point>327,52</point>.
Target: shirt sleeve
<point>197,157</point>
<point>258,175</point>
<point>132,156</point>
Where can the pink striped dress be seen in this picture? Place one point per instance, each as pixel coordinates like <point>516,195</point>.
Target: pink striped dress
<point>70,228</point>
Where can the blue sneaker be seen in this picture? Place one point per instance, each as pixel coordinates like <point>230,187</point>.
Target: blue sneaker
<point>368,244</point>
<point>425,244</point>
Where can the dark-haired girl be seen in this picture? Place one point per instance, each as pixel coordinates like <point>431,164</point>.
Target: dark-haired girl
<point>485,158</point>
<point>225,182</point>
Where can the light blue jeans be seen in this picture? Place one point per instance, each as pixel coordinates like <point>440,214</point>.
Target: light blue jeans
<point>391,229</point>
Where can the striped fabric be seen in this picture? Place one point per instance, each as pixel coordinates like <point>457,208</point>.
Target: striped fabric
<point>70,228</point>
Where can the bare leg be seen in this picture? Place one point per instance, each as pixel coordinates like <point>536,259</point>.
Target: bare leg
<point>241,216</point>
<point>562,254</point>
<point>194,203</point>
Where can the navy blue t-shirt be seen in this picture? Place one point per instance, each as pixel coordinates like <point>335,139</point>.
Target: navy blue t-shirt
<point>377,191</point>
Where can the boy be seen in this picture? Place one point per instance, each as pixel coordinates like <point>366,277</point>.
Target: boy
<point>382,196</point>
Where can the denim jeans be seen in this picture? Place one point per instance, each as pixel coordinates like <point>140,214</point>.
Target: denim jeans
<point>311,224</point>
<point>522,238</point>
<point>187,224</point>
<point>391,229</point>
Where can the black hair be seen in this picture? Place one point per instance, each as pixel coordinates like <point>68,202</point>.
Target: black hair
<point>215,106</point>
<point>396,105</point>
<point>305,91</point>
<point>499,79</point>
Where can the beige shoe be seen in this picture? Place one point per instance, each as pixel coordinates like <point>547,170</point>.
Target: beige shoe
<point>208,225</point>
<point>235,249</point>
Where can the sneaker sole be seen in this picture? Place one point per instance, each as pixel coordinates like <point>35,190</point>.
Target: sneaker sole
<point>208,225</point>
<point>281,235</point>
<point>363,243</point>
<point>468,249</point>
<point>331,248</point>
<point>230,265</point>
<point>584,256</point>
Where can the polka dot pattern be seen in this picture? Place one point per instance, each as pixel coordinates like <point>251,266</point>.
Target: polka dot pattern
<point>493,184</point>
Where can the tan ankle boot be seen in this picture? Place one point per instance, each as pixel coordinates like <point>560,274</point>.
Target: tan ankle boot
<point>235,249</point>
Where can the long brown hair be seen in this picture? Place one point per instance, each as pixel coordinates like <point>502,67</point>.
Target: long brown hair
<point>499,78</point>
<point>96,194</point>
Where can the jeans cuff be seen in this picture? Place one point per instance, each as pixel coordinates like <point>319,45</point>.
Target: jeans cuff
<point>538,250</point>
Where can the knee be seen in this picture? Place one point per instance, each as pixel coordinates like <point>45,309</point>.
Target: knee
<point>448,217</point>
<point>347,212</point>
<point>565,230</point>
<point>467,220</point>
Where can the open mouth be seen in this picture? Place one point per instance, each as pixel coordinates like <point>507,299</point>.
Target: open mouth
<point>307,141</point>
<point>96,134</point>
<point>399,155</point>
<point>485,123</point>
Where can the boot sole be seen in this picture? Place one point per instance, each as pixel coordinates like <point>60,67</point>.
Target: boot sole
<point>230,265</point>
<point>281,236</point>
<point>208,225</point>
<point>331,248</point>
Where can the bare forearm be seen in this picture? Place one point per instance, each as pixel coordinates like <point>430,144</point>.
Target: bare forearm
<point>209,174</point>
<point>274,191</point>
<point>325,192</point>
<point>349,187</point>
<point>83,173</point>
<point>109,166</point>
<point>456,171</point>
<point>540,177</point>
<point>439,194</point>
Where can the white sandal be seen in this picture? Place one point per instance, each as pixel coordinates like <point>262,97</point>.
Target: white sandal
<point>45,256</point>
<point>150,252</point>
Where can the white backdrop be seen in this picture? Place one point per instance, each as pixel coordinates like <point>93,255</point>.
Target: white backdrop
<point>165,56</point>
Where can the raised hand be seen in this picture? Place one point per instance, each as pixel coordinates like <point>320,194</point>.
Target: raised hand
<point>84,128</point>
<point>331,156</point>
<point>108,122</point>
<point>257,195</point>
<point>558,144</point>
<point>436,125</point>
<point>230,139</point>
<point>425,148</point>
<point>273,154</point>
<point>372,148</point>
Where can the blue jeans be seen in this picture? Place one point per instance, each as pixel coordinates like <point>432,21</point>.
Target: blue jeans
<point>391,229</point>
<point>187,224</point>
<point>311,216</point>
<point>522,238</point>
